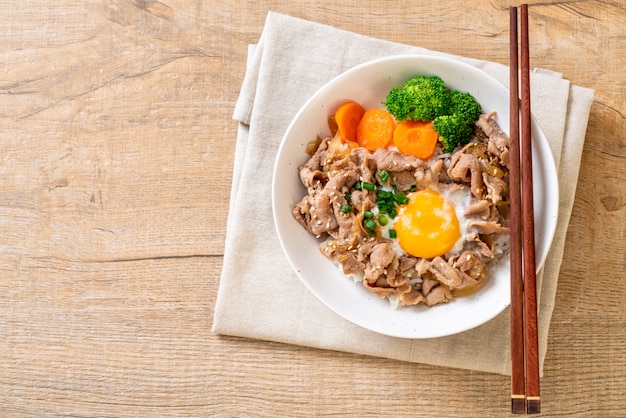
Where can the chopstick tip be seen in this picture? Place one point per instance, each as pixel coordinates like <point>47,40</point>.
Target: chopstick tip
<point>533,406</point>
<point>518,405</point>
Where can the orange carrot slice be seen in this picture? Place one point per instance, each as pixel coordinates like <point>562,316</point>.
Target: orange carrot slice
<point>415,137</point>
<point>375,129</point>
<point>347,118</point>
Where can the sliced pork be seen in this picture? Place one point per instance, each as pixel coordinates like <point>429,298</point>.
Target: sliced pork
<point>335,205</point>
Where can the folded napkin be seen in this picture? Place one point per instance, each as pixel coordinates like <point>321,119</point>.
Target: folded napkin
<point>261,297</point>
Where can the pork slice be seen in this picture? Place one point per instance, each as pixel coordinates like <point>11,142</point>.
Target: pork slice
<point>498,143</point>
<point>439,294</point>
<point>482,245</point>
<point>315,212</point>
<point>408,295</point>
<point>371,274</point>
<point>424,177</point>
<point>403,180</point>
<point>311,172</point>
<point>481,208</point>
<point>496,188</point>
<point>310,178</point>
<point>412,297</point>
<point>471,264</point>
<point>488,227</point>
<point>364,249</point>
<point>382,282</point>
<point>343,180</point>
<point>393,161</point>
<point>302,212</point>
<point>382,255</point>
<point>401,167</point>
<point>380,291</point>
<point>365,163</point>
<point>473,270</point>
<point>444,272</point>
<point>461,172</point>
<point>351,265</point>
<point>421,267</point>
<point>429,284</point>
<point>328,248</point>
<point>342,229</point>
<point>345,231</point>
<point>363,201</point>
<point>394,278</point>
<point>437,167</point>
<point>467,168</point>
<point>406,263</point>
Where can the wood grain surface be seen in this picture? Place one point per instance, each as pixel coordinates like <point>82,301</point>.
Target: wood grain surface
<point>116,153</point>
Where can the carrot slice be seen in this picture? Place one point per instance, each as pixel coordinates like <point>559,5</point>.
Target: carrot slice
<point>415,137</point>
<point>347,118</point>
<point>375,129</point>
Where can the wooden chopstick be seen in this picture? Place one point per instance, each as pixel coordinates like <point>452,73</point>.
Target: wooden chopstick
<point>518,390</point>
<point>533,402</point>
<point>525,395</point>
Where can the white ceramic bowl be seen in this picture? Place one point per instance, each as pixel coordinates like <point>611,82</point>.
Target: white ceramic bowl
<point>369,84</point>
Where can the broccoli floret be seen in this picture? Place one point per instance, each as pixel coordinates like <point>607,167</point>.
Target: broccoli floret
<point>420,98</point>
<point>398,103</point>
<point>458,127</point>
<point>465,105</point>
<point>453,130</point>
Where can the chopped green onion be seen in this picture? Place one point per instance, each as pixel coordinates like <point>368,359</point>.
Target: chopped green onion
<point>367,214</point>
<point>382,220</point>
<point>393,213</point>
<point>370,224</point>
<point>392,233</point>
<point>383,176</point>
<point>383,194</point>
<point>358,185</point>
<point>401,198</point>
<point>369,186</point>
<point>347,196</point>
<point>345,208</point>
<point>412,188</point>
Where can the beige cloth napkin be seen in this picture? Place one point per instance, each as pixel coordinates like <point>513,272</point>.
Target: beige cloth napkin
<point>260,296</point>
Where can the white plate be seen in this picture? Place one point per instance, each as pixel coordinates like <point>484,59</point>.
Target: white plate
<point>368,84</point>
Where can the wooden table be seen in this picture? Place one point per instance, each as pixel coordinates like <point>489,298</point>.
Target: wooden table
<point>116,154</point>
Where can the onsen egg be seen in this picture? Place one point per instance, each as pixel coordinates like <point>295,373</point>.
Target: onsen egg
<point>428,225</point>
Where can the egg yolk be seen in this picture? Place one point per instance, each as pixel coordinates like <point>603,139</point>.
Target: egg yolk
<point>427,226</point>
